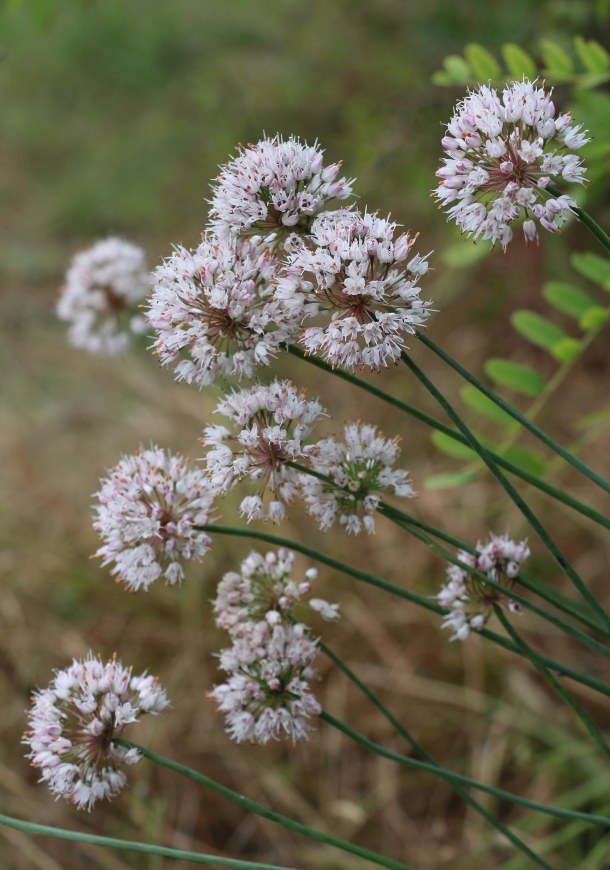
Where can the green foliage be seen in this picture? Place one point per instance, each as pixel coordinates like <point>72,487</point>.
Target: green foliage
<point>520,378</point>
<point>593,267</point>
<point>537,329</point>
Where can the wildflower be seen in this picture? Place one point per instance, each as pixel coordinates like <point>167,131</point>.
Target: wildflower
<point>359,468</point>
<point>103,286</point>
<point>264,590</point>
<point>469,599</point>
<point>357,275</point>
<point>504,151</point>
<point>74,722</point>
<point>272,422</point>
<point>267,694</point>
<point>149,506</point>
<point>215,306</point>
<point>275,186</point>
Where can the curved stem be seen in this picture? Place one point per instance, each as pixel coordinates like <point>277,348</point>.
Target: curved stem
<point>510,491</point>
<point>399,591</point>
<point>496,823</point>
<point>514,413</point>
<point>585,218</point>
<point>260,810</point>
<point>134,846</point>
<point>532,479</point>
<point>450,776</point>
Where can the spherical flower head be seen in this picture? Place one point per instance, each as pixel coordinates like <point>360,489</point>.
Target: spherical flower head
<point>103,287</point>
<point>267,694</point>
<point>147,512</point>
<point>503,152</point>
<point>270,423</point>
<point>359,278</point>
<point>213,310</point>
<point>276,186</point>
<point>469,599</point>
<point>73,723</point>
<point>360,469</point>
<point>264,590</point>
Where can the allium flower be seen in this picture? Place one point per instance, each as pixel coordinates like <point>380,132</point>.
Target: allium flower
<point>504,151</point>
<point>267,694</point>
<point>274,186</point>
<point>148,507</point>
<point>103,286</point>
<point>73,723</point>
<point>213,310</point>
<point>272,422</point>
<point>354,272</point>
<point>362,464</point>
<point>263,590</point>
<point>470,599</point>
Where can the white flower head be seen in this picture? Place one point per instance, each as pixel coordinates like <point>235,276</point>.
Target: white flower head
<point>356,274</point>
<point>276,186</point>
<point>72,725</point>
<point>147,511</point>
<point>264,590</point>
<point>503,152</point>
<point>267,694</point>
<point>362,464</point>
<point>213,310</point>
<point>270,424</point>
<point>469,599</point>
<point>99,300</point>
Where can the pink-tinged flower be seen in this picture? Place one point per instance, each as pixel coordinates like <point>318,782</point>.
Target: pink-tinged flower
<point>356,276</point>
<point>213,310</point>
<point>264,590</point>
<point>149,506</point>
<point>504,150</point>
<point>362,464</point>
<point>103,287</point>
<point>469,599</point>
<point>267,694</point>
<point>73,723</point>
<point>276,186</point>
<point>270,424</point>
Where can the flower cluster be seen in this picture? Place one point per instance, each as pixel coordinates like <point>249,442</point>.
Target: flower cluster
<point>213,310</point>
<point>148,508</point>
<point>272,422</point>
<point>103,286</point>
<point>267,694</point>
<point>74,722</point>
<point>503,153</point>
<point>274,186</point>
<point>469,598</point>
<point>359,468</point>
<point>355,272</point>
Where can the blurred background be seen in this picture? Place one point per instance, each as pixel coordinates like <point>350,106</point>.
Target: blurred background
<point>115,116</point>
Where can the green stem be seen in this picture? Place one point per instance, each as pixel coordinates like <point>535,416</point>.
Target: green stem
<point>393,589</point>
<point>510,491</point>
<point>260,810</point>
<point>496,823</point>
<point>532,479</point>
<point>566,696</point>
<point>514,413</point>
<point>585,218</point>
<point>133,846</point>
<point>450,776</point>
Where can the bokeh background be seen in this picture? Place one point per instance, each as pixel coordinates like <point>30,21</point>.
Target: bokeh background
<point>115,116</point>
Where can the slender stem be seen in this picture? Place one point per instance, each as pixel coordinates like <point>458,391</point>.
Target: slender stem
<point>514,413</point>
<point>533,656</point>
<point>134,846</point>
<point>510,490</point>
<point>260,810</point>
<point>585,218</point>
<point>450,776</point>
<point>393,589</point>
<point>496,823</point>
<point>532,479</point>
